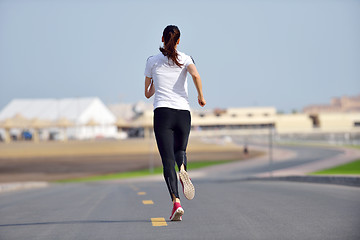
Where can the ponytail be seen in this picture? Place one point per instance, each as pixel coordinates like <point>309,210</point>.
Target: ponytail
<point>171,35</point>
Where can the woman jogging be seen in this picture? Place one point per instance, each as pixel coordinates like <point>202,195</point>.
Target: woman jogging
<point>166,77</point>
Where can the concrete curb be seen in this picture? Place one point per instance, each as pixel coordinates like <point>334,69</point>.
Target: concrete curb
<point>16,186</point>
<point>353,181</point>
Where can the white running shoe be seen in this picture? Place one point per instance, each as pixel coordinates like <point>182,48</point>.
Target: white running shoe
<point>188,187</point>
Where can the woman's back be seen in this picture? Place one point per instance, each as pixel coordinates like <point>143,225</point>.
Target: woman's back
<point>170,80</point>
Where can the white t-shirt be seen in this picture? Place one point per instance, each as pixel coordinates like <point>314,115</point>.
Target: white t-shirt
<point>170,80</point>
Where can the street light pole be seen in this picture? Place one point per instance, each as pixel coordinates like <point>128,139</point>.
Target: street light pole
<point>270,150</point>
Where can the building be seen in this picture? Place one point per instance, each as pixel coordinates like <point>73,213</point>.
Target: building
<point>75,118</point>
<point>258,120</point>
<point>337,105</point>
<point>235,118</point>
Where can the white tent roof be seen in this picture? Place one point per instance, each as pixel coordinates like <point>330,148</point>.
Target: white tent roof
<point>79,110</point>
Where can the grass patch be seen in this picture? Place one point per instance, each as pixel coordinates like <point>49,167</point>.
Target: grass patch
<point>140,173</point>
<point>349,168</point>
<point>353,146</point>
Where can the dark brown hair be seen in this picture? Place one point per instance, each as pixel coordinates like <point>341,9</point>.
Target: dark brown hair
<point>171,35</point>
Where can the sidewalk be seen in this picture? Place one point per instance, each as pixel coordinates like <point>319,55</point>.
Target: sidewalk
<point>349,180</point>
<point>15,186</point>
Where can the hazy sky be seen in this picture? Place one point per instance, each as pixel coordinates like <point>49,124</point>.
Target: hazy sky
<point>285,54</point>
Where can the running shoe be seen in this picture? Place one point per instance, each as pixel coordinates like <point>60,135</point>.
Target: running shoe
<point>188,187</point>
<point>177,212</point>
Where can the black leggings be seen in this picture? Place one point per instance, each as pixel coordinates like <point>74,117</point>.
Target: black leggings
<point>172,128</point>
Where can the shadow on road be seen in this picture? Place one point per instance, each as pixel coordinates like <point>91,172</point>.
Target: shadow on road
<point>75,222</point>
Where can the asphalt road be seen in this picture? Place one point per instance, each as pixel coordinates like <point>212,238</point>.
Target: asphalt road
<point>224,208</point>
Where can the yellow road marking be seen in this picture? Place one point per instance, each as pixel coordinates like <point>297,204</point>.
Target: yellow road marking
<point>158,222</point>
<point>147,202</point>
<point>141,193</point>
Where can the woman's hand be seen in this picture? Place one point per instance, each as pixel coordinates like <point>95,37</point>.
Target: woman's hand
<point>201,101</point>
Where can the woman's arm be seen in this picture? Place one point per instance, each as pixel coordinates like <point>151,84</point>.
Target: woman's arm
<point>149,87</point>
<point>197,81</point>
